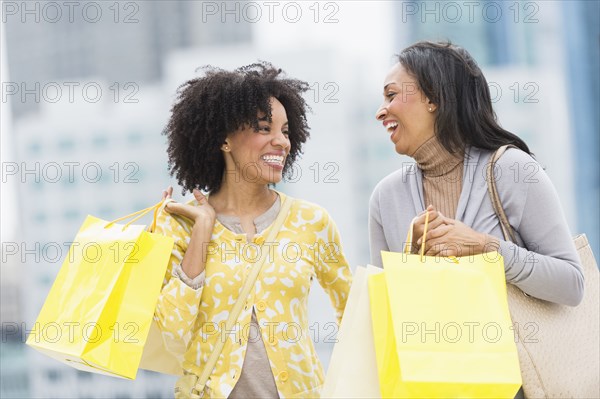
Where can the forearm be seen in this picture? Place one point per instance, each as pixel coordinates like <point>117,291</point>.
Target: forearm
<point>544,262</point>
<point>194,260</point>
<point>551,278</point>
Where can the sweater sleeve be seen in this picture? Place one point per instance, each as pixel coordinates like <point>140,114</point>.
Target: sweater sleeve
<point>547,266</point>
<point>332,269</point>
<point>377,242</point>
<point>178,303</point>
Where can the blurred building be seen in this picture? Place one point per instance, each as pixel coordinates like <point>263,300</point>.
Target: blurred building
<point>118,41</point>
<point>75,159</point>
<point>107,147</point>
<point>14,381</point>
<point>582,41</point>
<point>88,111</point>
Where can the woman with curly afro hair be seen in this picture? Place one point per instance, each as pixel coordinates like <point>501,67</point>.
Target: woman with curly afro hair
<point>233,135</point>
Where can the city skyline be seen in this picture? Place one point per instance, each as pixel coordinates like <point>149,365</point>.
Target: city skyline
<point>119,131</point>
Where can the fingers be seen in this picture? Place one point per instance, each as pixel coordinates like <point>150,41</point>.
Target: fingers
<point>430,208</point>
<point>433,235</point>
<point>433,215</point>
<point>167,193</point>
<point>201,198</point>
<point>436,219</point>
<point>181,209</point>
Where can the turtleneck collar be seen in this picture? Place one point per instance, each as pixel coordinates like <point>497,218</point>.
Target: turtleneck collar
<point>434,160</point>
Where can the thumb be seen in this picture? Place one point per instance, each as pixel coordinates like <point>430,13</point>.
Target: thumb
<point>199,196</point>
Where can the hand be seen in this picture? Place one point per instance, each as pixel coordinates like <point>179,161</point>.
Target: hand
<point>435,220</point>
<point>453,238</point>
<point>203,213</point>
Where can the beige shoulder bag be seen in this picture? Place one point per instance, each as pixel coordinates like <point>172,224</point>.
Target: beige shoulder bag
<point>559,346</point>
<point>191,386</point>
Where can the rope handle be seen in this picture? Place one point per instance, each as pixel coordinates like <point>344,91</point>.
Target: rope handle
<point>138,214</point>
<point>409,237</point>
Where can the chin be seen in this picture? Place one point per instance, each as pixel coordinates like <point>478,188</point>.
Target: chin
<point>400,150</point>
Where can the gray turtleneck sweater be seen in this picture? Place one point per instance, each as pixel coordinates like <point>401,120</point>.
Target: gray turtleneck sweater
<point>543,264</point>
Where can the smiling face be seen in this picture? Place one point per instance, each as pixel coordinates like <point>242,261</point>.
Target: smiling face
<point>259,156</point>
<point>407,115</point>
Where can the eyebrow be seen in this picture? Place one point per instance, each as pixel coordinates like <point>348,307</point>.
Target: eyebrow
<point>265,119</point>
<point>386,86</point>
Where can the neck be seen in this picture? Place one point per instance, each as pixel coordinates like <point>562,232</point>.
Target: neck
<point>242,198</point>
<point>434,159</point>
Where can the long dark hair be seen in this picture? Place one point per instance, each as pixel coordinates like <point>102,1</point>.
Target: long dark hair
<point>452,80</point>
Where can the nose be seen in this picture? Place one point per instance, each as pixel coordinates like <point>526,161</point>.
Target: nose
<point>281,140</point>
<point>381,113</point>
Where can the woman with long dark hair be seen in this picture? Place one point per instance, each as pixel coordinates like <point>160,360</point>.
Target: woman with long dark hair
<point>437,109</point>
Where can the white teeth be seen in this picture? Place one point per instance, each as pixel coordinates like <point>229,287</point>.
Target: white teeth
<point>274,159</point>
<point>391,126</point>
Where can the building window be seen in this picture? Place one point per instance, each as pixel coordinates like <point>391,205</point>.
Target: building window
<point>83,375</point>
<point>53,375</point>
<point>35,148</point>
<point>40,217</point>
<point>66,144</point>
<point>106,212</point>
<point>134,138</point>
<point>100,141</point>
<point>71,214</point>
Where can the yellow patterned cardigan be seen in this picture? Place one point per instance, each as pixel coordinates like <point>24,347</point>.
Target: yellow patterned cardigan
<point>307,246</point>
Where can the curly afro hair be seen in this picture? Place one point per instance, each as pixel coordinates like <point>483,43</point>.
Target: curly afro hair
<point>209,108</point>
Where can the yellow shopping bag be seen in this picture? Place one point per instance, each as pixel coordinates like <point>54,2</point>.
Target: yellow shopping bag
<point>100,308</point>
<point>442,327</point>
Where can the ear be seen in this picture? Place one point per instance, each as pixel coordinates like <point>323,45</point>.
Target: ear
<point>431,107</point>
<point>225,147</point>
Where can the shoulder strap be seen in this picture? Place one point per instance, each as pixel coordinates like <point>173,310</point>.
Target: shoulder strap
<point>493,191</point>
<point>239,304</point>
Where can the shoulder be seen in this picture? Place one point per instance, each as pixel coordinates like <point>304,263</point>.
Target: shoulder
<point>394,184</point>
<point>397,179</point>
<point>304,212</point>
<point>517,168</point>
<point>514,158</point>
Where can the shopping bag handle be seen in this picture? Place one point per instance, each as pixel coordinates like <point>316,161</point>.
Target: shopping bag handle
<point>409,237</point>
<point>140,214</point>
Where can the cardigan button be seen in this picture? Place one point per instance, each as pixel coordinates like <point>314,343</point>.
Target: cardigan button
<point>283,376</point>
<point>261,306</point>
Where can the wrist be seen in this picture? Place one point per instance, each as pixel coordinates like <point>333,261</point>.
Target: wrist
<point>489,243</point>
<point>204,223</point>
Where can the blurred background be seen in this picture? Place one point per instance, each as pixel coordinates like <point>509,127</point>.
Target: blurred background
<point>87,89</point>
